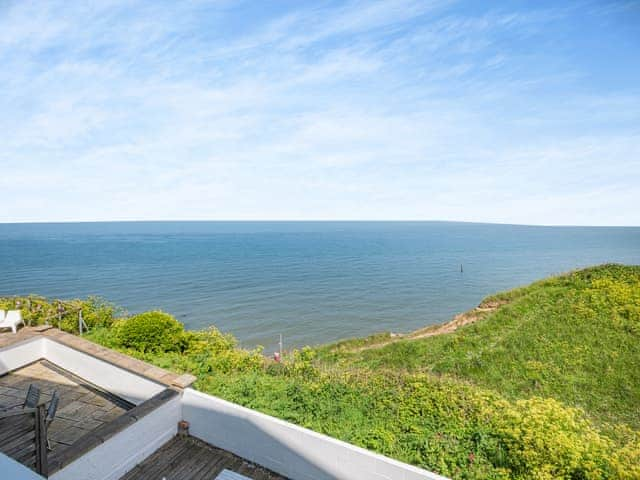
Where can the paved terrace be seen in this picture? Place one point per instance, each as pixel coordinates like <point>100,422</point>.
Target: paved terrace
<point>82,407</point>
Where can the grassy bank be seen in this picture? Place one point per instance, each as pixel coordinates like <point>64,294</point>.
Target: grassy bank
<point>545,386</point>
<point>573,338</point>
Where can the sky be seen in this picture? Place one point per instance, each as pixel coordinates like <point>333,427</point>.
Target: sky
<point>505,111</point>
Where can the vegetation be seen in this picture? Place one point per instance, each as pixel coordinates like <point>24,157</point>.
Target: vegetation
<point>574,338</point>
<point>153,332</point>
<point>37,310</point>
<point>545,386</point>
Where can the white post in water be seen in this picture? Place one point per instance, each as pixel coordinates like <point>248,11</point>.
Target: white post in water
<point>280,345</point>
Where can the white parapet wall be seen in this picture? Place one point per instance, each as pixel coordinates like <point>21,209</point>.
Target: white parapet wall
<point>292,451</point>
<point>123,451</point>
<point>21,354</point>
<point>12,470</point>
<point>120,382</point>
<point>127,385</point>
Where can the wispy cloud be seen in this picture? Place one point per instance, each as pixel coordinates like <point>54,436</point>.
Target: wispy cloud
<point>361,109</point>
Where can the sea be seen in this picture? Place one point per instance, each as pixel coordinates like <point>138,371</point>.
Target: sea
<point>311,282</point>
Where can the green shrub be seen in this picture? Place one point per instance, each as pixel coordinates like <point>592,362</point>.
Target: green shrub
<point>36,310</point>
<point>153,331</point>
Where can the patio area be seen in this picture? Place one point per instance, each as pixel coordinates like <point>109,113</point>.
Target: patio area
<point>82,408</point>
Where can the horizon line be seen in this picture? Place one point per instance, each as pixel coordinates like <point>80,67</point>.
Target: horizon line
<point>69,222</point>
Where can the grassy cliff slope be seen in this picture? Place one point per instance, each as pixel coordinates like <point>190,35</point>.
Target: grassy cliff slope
<point>575,338</point>
<point>540,382</point>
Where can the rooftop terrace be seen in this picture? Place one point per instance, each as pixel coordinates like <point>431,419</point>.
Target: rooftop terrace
<point>118,420</point>
<point>83,407</point>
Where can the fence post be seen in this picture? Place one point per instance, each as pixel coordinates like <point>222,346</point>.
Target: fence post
<point>60,312</point>
<point>42,465</point>
<point>29,310</point>
<point>81,325</point>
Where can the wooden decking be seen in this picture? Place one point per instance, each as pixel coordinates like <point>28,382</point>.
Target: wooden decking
<point>23,437</point>
<point>187,458</point>
<point>82,407</point>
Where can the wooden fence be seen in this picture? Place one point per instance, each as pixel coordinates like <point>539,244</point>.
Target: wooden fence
<point>23,437</point>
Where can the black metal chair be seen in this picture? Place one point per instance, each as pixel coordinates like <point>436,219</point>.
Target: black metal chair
<point>51,413</point>
<point>32,398</point>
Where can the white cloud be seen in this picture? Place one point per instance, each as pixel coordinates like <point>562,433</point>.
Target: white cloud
<point>359,111</point>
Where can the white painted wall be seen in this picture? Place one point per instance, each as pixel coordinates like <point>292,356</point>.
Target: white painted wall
<point>120,382</point>
<point>10,469</point>
<point>134,388</point>
<point>287,449</point>
<point>120,453</point>
<point>21,354</point>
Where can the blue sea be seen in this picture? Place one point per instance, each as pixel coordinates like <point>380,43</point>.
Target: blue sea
<point>312,282</point>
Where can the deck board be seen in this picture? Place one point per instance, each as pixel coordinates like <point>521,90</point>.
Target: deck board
<point>188,458</point>
<point>82,407</point>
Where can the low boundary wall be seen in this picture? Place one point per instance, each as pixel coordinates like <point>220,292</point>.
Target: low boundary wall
<point>124,450</point>
<point>21,354</point>
<point>292,451</point>
<point>120,382</point>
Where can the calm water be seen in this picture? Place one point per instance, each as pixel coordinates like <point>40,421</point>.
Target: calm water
<point>312,282</point>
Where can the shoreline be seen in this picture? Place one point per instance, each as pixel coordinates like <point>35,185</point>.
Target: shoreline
<point>460,320</point>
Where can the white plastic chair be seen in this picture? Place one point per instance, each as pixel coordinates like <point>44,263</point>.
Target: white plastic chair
<point>12,320</point>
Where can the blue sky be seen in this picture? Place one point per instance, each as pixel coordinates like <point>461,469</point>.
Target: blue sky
<point>517,112</point>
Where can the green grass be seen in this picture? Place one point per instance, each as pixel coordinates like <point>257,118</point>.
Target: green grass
<point>547,386</point>
<point>575,338</point>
